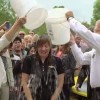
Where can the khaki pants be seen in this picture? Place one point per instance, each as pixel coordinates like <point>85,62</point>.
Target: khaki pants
<point>4,92</point>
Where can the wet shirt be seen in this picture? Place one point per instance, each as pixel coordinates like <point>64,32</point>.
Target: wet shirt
<point>45,73</point>
<point>27,65</point>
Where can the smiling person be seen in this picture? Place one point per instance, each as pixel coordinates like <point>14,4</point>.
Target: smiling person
<point>47,74</point>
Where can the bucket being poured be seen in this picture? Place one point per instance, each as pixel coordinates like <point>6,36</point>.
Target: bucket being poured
<point>35,13</point>
<point>57,26</point>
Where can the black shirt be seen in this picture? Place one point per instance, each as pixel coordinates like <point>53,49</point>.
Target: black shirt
<point>27,65</point>
<point>45,73</point>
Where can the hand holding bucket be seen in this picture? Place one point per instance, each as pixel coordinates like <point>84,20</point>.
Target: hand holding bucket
<point>57,26</point>
<point>35,14</point>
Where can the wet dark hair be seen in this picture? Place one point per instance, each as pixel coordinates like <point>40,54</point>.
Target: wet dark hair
<point>44,39</point>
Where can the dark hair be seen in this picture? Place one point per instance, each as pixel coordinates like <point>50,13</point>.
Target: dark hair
<point>67,48</point>
<point>7,25</point>
<point>30,47</point>
<point>17,39</point>
<point>44,39</point>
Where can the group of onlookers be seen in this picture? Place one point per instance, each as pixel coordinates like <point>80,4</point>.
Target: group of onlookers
<point>34,69</point>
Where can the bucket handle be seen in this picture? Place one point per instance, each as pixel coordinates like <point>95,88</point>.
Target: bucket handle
<point>28,12</point>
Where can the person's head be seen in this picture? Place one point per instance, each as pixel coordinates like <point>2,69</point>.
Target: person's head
<point>77,39</point>
<point>60,47</point>
<point>66,48</point>
<point>17,44</point>
<point>31,33</point>
<point>21,34</point>
<point>97,27</point>
<point>35,38</point>
<point>28,39</point>
<point>10,48</point>
<point>32,49</point>
<point>43,47</point>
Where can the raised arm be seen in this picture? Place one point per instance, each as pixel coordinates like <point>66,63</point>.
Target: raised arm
<point>16,27</point>
<point>3,25</point>
<point>91,38</point>
<point>80,57</point>
<point>11,34</point>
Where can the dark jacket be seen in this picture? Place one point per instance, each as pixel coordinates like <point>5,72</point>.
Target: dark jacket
<point>69,64</point>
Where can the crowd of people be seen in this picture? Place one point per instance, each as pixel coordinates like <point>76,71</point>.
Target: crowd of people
<point>32,68</point>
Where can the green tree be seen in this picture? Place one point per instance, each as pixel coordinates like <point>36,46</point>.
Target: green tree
<point>89,26</point>
<point>96,12</point>
<point>58,7</point>
<point>6,12</point>
<point>41,30</point>
<point>86,24</point>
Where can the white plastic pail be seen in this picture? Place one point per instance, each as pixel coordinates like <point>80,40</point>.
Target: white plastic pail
<point>35,14</point>
<point>57,26</point>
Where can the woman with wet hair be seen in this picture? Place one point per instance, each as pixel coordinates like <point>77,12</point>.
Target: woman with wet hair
<point>47,74</point>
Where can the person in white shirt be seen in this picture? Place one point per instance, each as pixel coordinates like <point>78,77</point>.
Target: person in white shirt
<point>8,82</point>
<point>4,42</point>
<point>92,57</point>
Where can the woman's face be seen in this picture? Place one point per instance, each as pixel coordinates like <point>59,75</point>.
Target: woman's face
<point>44,50</point>
<point>32,51</point>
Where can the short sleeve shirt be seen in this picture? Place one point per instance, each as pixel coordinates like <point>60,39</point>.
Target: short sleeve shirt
<point>27,65</point>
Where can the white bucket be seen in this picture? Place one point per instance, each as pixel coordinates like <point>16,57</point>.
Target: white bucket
<point>36,14</point>
<point>57,26</point>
